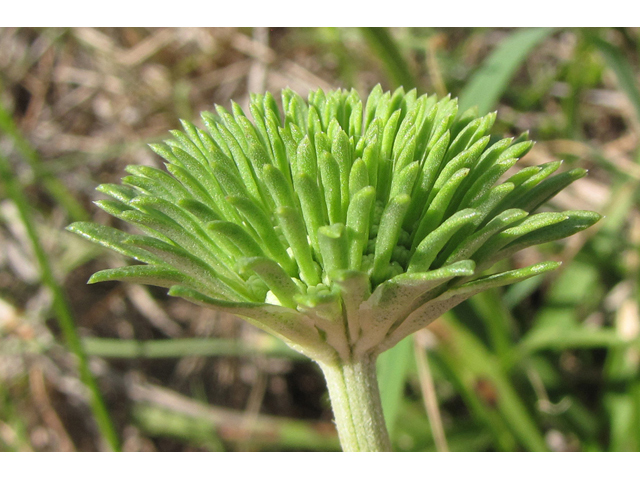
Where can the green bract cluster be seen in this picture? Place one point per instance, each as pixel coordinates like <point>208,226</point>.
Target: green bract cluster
<point>341,226</point>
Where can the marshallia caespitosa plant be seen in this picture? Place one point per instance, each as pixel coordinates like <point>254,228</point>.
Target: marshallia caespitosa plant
<point>338,225</point>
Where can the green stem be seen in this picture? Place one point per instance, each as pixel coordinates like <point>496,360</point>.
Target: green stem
<point>355,398</point>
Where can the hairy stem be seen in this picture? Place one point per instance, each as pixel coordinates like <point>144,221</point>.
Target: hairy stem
<point>355,398</point>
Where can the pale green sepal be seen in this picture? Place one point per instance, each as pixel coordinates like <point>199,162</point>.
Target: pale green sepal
<point>190,223</point>
<point>489,157</point>
<point>163,227</point>
<point>323,305</point>
<point>199,210</point>
<point>371,105</point>
<point>146,186</point>
<point>426,178</point>
<point>392,301</point>
<point>447,110</point>
<point>522,188</point>
<point>305,161</point>
<point>433,309</point>
<point>499,280</point>
<point>278,186</point>
<point>407,152</point>
<point>482,184</point>
<point>523,175</point>
<point>355,288</point>
<point>296,329</point>
<point>461,140</point>
<point>389,135</point>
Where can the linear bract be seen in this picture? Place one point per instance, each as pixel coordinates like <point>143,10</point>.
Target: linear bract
<point>338,225</point>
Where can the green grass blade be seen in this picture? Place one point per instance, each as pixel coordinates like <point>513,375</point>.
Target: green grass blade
<point>472,358</point>
<point>489,83</point>
<point>61,307</point>
<point>185,347</point>
<point>55,187</point>
<point>617,62</point>
<point>393,369</point>
<point>196,422</point>
<point>385,47</point>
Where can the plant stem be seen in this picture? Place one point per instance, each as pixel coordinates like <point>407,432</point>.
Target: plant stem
<point>355,399</point>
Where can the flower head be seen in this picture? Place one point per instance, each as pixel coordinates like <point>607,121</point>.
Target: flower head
<point>339,225</point>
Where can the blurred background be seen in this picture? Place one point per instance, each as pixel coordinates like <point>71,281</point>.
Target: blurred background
<point>552,363</point>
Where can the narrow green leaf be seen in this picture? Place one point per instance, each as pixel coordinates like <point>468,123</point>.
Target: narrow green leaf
<point>355,288</point>
<point>262,224</point>
<point>525,226</point>
<point>499,280</point>
<point>433,309</point>
<point>576,221</point>
<point>330,173</point>
<point>333,248</point>
<point>358,217</point>
<point>437,207</point>
<point>183,261</point>
<point>548,189</point>
<point>278,281</point>
<point>236,235</point>
<point>112,238</point>
<point>466,159</point>
<point>295,232</point>
<point>60,305</point>
<point>469,246</point>
<point>143,274</point>
<point>388,233</point>
<point>427,250</point>
<point>404,180</point>
<point>358,178</point>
